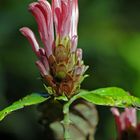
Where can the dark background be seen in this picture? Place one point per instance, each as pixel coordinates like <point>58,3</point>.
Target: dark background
<point>109,34</point>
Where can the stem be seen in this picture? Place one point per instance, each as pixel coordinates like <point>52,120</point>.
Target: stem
<point>66,120</point>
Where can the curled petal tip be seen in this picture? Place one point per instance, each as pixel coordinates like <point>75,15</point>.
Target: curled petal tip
<point>115,111</point>
<point>42,52</point>
<point>24,30</point>
<point>32,5</point>
<point>27,32</point>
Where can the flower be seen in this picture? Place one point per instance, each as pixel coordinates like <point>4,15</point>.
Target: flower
<point>126,123</point>
<point>60,61</point>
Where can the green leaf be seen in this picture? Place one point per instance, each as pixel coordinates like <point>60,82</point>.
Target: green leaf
<point>26,101</point>
<point>111,96</point>
<point>61,98</point>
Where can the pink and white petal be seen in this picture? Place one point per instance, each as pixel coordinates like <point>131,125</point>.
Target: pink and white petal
<point>42,52</point>
<point>27,32</point>
<point>45,63</point>
<point>124,120</point>
<point>67,18</point>
<point>131,115</point>
<point>56,16</point>
<point>75,18</point>
<point>74,42</point>
<point>116,114</point>
<point>58,21</point>
<point>40,19</point>
<point>47,11</point>
<point>41,68</point>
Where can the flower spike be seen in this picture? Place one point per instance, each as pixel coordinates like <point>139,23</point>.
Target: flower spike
<point>60,62</point>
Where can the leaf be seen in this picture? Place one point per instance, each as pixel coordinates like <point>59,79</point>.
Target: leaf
<point>61,98</point>
<point>110,96</point>
<point>26,101</point>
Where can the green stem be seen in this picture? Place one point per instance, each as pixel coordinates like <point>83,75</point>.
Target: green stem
<point>66,120</point>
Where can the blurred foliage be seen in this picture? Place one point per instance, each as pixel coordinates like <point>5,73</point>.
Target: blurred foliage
<point>109,33</point>
<point>83,115</point>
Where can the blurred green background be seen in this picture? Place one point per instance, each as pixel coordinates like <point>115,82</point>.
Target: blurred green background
<point>109,34</point>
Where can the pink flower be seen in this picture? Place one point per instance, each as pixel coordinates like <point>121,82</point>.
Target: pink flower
<point>126,123</point>
<point>60,62</point>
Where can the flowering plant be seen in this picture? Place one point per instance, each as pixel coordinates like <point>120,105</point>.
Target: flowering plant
<point>60,62</point>
<point>126,123</point>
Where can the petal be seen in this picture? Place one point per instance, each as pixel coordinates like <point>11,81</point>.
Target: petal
<point>131,116</point>
<point>61,18</point>
<point>79,54</point>
<point>44,59</point>
<point>64,20</point>
<point>58,20</point>
<point>74,42</point>
<point>70,21</point>
<point>47,11</point>
<point>41,68</point>
<point>66,11</point>
<point>74,18</point>
<point>55,4</point>
<point>42,52</point>
<point>45,63</point>
<point>31,38</point>
<point>124,120</point>
<point>40,19</point>
<point>66,15</point>
<point>116,114</point>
